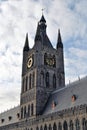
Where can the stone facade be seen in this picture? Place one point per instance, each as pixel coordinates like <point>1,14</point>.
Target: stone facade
<point>73,119</point>
<point>43,71</point>
<point>45,102</point>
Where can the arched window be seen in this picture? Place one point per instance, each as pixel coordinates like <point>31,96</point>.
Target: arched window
<point>30,81</point>
<point>24,111</point>
<point>59,126</point>
<point>45,57</point>
<point>33,79</point>
<point>54,126</point>
<point>50,128</point>
<point>26,83</point>
<point>42,78</point>
<point>28,110</point>
<point>22,85</point>
<point>32,109</point>
<point>37,128</point>
<point>45,127</point>
<point>54,81</point>
<point>84,124</point>
<point>65,126</point>
<point>21,112</point>
<point>71,125</point>
<point>47,80</point>
<point>41,128</point>
<point>54,65</point>
<point>77,124</point>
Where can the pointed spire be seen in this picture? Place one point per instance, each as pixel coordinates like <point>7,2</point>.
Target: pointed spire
<point>42,19</point>
<point>26,46</point>
<point>42,24</point>
<point>59,41</point>
<point>41,33</point>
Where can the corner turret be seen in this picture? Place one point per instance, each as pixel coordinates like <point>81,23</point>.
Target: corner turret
<point>25,55</point>
<point>60,63</point>
<point>26,46</point>
<point>59,41</point>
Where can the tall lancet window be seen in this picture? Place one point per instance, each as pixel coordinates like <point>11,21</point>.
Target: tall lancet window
<point>65,126</point>
<point>77,125</point>
<point>28,110</point>
<point>26,87</point>
<point>41,128</point>
<point>45,127</point>
<point>54,126</point>
<point>37,128</point>
<point>71,125</point>
<point>30,81</point>
<point>50,127</point>
<point>23,85</point>
<point>33,79</point>
<point>24,111</point>
<point>42,78</point>
<point>59,126</point>
<point>21,112</point>
<point>32,109</point>
<point>54,81</point>
<point>47,80</point>
<point>84,124</point>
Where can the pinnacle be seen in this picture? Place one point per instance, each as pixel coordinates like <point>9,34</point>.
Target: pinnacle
<point>26,46</point>
<point>59,41</point>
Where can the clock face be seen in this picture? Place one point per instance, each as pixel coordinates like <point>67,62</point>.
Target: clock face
<point>50,60</point>
<point>29,62</point>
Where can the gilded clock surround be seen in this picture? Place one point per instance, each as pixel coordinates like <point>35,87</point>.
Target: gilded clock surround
<point>30,62</point>
<point>50,60</point>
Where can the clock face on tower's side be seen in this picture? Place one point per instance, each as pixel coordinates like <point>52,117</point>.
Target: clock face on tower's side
<point>50,60</point>
<point>29,62</point>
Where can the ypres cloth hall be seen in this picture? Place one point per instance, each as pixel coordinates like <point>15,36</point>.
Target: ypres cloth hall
<point>46,103</point>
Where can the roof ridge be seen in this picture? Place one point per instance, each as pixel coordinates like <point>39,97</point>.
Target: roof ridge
<point>70,84</point>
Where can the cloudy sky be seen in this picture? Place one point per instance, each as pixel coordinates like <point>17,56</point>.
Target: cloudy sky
<point>17,17</point>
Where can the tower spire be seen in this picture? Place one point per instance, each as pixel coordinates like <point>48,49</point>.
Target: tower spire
<point>41,34</point>
<point>59,41</point>
<point>26,46</point>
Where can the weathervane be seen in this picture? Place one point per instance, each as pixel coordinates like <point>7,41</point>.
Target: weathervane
<point>42,10</point>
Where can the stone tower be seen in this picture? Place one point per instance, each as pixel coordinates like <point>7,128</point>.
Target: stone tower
<point>42,72</point>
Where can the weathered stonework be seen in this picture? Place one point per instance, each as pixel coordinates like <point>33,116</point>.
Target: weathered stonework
<point>45,102</point>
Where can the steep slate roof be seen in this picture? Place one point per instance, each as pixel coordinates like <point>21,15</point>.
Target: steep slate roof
<point>9,113</point>
<point>63,97</point>
<point>46,41</point>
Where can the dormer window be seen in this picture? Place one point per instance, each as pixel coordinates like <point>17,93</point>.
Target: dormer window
<point>53,104</point>
<point>73,97</point>
<point>18,115</point>
<point>10,117</point>
<point>2,120</point>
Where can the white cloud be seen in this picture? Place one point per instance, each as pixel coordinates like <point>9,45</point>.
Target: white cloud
<point>17,17</point>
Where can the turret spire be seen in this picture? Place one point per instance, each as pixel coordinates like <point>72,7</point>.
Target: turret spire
<point>26,46</point>
<point>59,41</point>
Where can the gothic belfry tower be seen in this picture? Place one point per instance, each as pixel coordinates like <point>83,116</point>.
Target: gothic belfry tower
<point>42,72</point>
